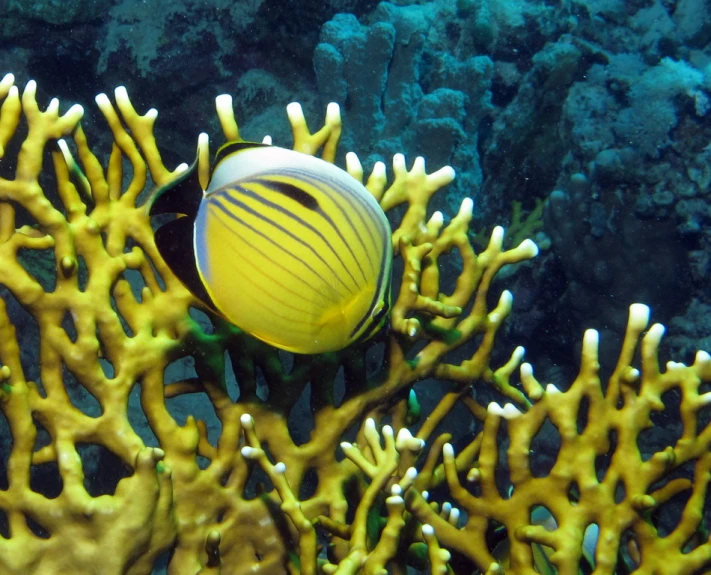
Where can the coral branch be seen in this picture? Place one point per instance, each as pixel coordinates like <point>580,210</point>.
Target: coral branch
<point>225,452</point>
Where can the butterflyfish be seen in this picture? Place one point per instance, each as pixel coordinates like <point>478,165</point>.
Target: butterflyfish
<point>286,246</point>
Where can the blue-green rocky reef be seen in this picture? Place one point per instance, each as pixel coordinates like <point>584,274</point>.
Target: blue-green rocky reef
<point>584,125</point>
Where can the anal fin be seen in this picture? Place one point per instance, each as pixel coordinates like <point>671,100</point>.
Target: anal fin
<point>175,243</point>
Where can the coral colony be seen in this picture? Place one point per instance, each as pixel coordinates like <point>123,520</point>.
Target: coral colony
<point>220,454</point>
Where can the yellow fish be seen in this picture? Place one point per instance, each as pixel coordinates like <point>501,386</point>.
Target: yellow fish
<point>288,247</point>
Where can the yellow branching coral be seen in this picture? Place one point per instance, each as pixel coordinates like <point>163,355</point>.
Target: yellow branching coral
<point>352,497</point>
<point>618,501</point>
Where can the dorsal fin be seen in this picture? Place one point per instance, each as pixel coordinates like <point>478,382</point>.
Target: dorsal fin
<point>233,147</point>
<point>179,196</point>
<point>174,239</point>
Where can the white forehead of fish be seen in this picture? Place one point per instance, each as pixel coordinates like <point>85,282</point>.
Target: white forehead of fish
<point>246,163</point>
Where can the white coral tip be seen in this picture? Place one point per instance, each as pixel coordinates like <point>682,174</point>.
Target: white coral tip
<point>655,333</point>
<point>497,236</point>
<point>444,175</point>
<point>398,162</point>
<point>246,420</point>
<point>333,113</point>
<point>404,433</point>
<point>224,101</point>
<point>249,452</point>
<point>379,170</point>
<point>529,248</point>
<point>494,408</point>
<point>121,94</point>
<point>295,112</point>
<point>280,468</point>
<point>77,109</point>
<point>552,389</point>
<point>526,370</point>
<point>508,411</point>
<point>473,475</point>
<point>353,163</point>
<point>467,207</point>
<point>638,316</point>
<point>102,100</point>
<point>427,529</point>
<point>591,338</point>
<point>506,298</point>
<point>437,219</point>
<point>395,500</point>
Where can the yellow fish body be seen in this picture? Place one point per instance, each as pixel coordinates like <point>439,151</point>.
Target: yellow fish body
<point>286,246</point>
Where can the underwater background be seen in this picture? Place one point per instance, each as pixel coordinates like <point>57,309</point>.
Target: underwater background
<point>584,125</point>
